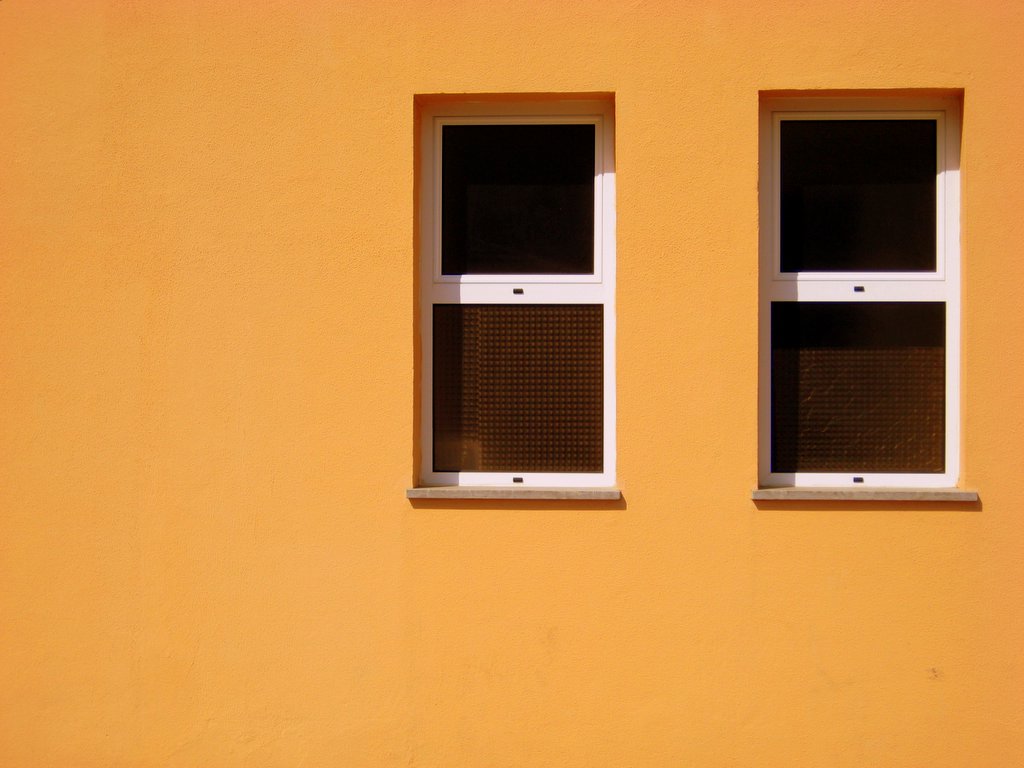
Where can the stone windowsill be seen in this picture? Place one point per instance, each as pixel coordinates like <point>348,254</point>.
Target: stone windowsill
<point>864,494</point>
<point>504,492</point>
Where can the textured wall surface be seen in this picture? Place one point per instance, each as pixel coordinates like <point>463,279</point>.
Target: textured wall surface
<point>207,388</point>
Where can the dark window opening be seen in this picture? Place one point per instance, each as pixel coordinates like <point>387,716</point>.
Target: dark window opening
<point>517,199</point>
<point>858,195</point>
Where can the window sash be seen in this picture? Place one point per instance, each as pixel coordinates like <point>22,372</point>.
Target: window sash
<point>518,387</point>
<point>941,203</point>
<point>601,185</point>
<point>858,383</point>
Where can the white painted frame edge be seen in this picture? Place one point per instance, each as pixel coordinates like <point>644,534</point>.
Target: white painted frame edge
<point>494,289</point>
<point>942,286</point>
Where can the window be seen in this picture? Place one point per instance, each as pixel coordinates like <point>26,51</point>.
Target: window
<point>860,298</point>
<point>517,275</point>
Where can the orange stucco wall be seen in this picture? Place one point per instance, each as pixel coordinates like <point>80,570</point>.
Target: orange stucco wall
<point>207,394</point>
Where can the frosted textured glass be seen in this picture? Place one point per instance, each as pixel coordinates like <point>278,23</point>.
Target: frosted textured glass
<point>858,387</point>
<point>518,388</point>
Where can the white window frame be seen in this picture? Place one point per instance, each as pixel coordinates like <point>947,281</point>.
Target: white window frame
<point>595,288</point>
<point>942,285</point>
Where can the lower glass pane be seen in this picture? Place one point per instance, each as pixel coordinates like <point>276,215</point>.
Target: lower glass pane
<point>518,388</point>
<point>858,387</point>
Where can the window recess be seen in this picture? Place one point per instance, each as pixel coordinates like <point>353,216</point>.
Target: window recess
<point>859,294</point>
<point>517,239</point>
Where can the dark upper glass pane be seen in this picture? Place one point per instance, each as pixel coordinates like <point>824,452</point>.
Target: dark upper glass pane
<point>518,388</point>
<point>517,199</point>
<point>858,195</point>
<point>858,387</point>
